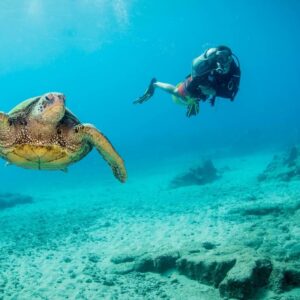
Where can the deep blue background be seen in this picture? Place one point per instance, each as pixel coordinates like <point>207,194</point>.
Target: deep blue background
<point>102,54</point>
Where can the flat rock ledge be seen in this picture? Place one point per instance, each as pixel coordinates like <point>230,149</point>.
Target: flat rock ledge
<point>209,270</point>
<point>237,276</point>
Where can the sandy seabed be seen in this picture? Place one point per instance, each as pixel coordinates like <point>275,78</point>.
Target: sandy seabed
<point>143,240</point>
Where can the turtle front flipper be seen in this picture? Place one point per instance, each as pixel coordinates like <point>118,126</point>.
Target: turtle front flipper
<point>105,148</point>
<point>4,125</point>
<point>3,117</point>
<point>7,135</point>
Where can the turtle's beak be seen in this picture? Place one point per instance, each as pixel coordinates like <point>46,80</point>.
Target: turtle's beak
<point>55,97</point>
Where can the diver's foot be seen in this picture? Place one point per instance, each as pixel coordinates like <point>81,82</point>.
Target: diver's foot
<point>148,93</point>
<point>192,109</point>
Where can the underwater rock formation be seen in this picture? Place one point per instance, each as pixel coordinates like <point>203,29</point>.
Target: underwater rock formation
<point>245,278</point>
<point>203,174</point>
<point>10,200</point>
<point>241,275</point>
<point>123,258</point>
<point>157,264</point>
<point>145,264</point>
<point>285,167</point>
<point>209,270</point>
<point>284,278</point>
<point>262,211</point>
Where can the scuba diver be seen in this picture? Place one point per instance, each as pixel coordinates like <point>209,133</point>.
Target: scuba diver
<point>215,73</point>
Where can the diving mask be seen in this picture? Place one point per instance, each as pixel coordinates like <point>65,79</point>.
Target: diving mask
<point>223,60</point>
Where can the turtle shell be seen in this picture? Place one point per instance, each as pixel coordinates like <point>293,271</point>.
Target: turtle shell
<point>50,155</point>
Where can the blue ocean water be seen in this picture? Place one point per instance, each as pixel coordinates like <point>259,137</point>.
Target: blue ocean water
<point>102,54</point>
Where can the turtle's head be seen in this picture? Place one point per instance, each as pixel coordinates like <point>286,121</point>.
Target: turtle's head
<point>50,108</point>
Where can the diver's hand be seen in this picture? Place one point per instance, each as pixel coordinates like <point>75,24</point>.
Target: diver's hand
<point>148,93</point>
<point>212,101</point>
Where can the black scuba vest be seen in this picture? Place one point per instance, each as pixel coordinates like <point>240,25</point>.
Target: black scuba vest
<point>225,85</point>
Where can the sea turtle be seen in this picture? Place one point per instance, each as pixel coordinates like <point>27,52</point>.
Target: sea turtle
<point>41,133</point>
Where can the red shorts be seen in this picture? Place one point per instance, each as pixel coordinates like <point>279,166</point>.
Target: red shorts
<point>182,88</point>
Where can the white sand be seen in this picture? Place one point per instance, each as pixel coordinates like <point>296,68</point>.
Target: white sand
<point>60,247</point>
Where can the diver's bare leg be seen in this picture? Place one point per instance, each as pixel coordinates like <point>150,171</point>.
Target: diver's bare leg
<point>169,88</point>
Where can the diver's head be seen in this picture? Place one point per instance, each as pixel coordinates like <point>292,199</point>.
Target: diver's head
<point>222,55</point>
<point>223,59</point>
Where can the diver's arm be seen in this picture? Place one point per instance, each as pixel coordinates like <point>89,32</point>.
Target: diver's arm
<point>207,90</point>
<point>201,66</point>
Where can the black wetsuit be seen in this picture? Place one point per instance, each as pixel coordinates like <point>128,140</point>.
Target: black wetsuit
<point>225,85</point>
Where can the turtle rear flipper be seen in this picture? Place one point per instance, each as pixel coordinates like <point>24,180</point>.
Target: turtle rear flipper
<point>105,148</point>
